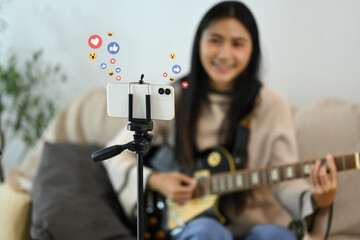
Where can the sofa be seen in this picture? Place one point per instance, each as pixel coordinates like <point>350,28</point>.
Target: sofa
<point>329,126</point>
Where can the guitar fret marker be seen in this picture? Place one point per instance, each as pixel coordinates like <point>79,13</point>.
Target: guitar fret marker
<point>215,185</point>
<point>230,182</point>
<point>290,172</point>
<point>222,184</point>
<point>239,180</point>
<point>274,174</point>
<point>306,169</point>
<point>255,178</point>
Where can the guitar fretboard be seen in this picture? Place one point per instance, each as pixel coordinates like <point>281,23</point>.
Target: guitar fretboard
<point>221,183</point>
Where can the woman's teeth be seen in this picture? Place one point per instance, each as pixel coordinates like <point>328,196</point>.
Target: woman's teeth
<point>223,67</point>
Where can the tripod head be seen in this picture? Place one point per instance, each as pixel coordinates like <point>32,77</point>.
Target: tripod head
<point>142,139</point>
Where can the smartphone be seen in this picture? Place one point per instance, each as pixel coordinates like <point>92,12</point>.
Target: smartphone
<point>162,100</point>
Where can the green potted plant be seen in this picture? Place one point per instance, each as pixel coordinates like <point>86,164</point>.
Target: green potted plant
<point>26,102</point>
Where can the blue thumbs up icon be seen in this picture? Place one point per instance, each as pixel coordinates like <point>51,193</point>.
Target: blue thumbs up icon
<point>176,69</point>
<point>113,48</point>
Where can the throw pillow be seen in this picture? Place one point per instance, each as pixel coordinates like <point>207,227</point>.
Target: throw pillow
<point>73,197</point>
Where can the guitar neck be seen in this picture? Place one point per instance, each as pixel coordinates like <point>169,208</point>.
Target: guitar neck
<point>241,180</point>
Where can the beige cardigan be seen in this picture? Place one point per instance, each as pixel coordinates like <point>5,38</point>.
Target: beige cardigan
<point>272,141</point>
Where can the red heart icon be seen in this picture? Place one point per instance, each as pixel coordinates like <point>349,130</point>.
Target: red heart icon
<point>184,84</point>
<point>95,41</point>
<point>165,74</point>
<point>118,78</point>
<point>112,61</point>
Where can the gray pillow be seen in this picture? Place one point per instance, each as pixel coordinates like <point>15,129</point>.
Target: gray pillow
<point>73,197</point>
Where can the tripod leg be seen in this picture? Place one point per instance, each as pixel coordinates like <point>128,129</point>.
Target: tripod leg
<point>140,197</point>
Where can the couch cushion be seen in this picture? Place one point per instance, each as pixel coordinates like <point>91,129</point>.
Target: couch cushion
<point>14,214</point>
<point>73,198</point>
<point>333,126</point>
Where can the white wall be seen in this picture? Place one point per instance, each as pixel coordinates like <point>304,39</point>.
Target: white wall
<point>310,48</point>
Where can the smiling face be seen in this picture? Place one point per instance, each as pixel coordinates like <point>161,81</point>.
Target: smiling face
<point>225,51</point>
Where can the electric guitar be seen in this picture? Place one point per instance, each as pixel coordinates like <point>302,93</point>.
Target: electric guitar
<point>220,177</point>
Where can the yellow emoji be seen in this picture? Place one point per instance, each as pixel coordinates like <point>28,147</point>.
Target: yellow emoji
<point>110,34</point>
<point>172,55</point>
<point>172,79</point>
<point>111,73</point>
<point>92,55</point>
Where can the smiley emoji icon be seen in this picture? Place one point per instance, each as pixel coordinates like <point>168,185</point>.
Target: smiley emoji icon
<point>111,73</point>
<point>172,55</point>
<point>92,55</point>
<point>110,34</point>
<point>171,79</point>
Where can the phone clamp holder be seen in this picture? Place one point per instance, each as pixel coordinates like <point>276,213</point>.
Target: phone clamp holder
<point>140,145</point>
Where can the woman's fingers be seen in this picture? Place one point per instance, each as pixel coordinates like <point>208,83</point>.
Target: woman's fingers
<point>323,178</point>
<point>178,196</point>
<point>333,170</point>
<point>183,191</point>
<point>324,185</point>
<point>175,186</point>
<point>313,175</point>
<point>186,179</point>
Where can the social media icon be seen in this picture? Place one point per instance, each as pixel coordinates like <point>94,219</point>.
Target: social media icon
<point>92,55</point>
<point>95,41</point>
<point>172,55</point>
<point>165,74</point>
<point>112,61</point>
<point>171,79</point>
<point>103,66</point>
<point>118,78</point>
<point>176,69</point>
<point>113,48</point>
<point>110,34</point>
<point>118,70</point>
<point>184,84</point>
<point>111,73</point>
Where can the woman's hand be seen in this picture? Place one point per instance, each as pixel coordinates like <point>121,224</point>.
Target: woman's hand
<point>175,186</point>
<point>324,186</point>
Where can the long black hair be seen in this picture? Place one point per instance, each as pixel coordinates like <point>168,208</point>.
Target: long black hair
<point>244,92</point>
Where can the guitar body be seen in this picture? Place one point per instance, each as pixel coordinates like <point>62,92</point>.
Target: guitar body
<point>166,215</point>
<point>211,161</point>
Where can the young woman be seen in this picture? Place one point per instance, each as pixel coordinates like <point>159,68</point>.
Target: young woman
<point>224,89</point>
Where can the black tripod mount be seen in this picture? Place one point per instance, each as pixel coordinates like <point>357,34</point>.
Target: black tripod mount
<point>140,145</point>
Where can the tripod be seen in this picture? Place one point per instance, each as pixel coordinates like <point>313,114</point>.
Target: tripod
<point>140,144</point>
